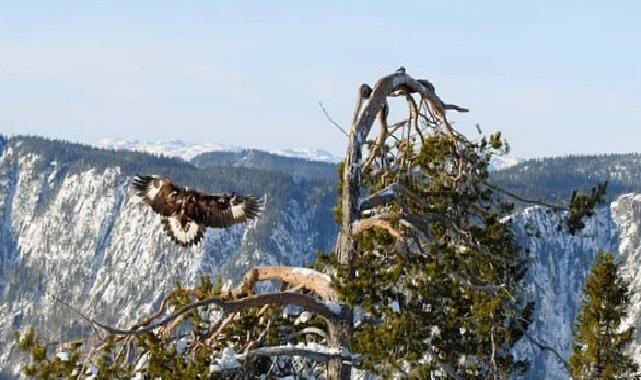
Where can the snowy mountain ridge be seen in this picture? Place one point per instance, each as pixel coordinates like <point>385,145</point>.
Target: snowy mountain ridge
<point>187,151</point>
<point>503,162</point>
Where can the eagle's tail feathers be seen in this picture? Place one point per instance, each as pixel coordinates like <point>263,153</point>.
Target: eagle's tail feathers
<point>190,234</point>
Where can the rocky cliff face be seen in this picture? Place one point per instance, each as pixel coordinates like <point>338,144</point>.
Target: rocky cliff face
<point>560,266</point>
<point>82,235</point>
<point>626,212</point>
<point>77,231</point>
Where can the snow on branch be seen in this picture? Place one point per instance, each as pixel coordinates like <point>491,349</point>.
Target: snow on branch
<point>313,351</point>
<point>281,298</point>
<point>309,279</point>
<point>386,195</point>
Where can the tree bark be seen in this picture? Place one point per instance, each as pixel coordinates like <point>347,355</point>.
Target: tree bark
<point>231,306</point>
<point>309,279</point>
<point>363,118</point>
<point>340,333</point>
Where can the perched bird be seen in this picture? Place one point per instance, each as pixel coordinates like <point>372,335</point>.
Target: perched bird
<point>187,213</point>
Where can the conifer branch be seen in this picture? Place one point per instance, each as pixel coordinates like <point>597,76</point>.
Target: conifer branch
<point>467,283</point>
<point>443,366</point>
<point>258,340</point>
<point>78,312</point>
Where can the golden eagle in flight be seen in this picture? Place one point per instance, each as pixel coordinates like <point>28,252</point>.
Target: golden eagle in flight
<point>187,213</point>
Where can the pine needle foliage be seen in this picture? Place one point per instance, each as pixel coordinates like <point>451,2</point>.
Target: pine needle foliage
<point>599,341</point>
<point>449,298</point>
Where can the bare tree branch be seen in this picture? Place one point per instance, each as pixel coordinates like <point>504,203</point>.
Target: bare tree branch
<point>364,92</point>
<point>77,311</point>
<point>215,330</point>
<point>361,126</point>
<point>378,149</point>
<point>522,199</point>
<point>317,352</point>
<point>369,223</point>
<point>477,287</point>
<point>545,347</point>
<point>309,330</point>
<point>414,115</point>
<point>386,195</point>
<point>332,120</point>
<point>281,298</point>
<point>310,279</point>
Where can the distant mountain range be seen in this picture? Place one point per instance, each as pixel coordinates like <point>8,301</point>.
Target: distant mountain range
<point>187,151</point>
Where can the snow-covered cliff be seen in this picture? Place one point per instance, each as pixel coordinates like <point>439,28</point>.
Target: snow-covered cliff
<point>560,265</point>
<point>74,229</point>
<point>83,235</point>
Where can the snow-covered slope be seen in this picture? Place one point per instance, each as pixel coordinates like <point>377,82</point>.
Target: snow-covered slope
<point>172,148</point>
<point>312,154</point>
<point>560,266</point>
<point>627,216</point>
<point>187,151</point>
<point>83,236</point>
<point>503,162</point>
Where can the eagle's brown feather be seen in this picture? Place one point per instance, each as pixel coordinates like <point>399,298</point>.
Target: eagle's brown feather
<point>187,213</point>
<point>159,193</point>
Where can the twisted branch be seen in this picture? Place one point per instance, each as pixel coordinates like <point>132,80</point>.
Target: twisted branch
<point>282,298</point>
<point>309,279</point>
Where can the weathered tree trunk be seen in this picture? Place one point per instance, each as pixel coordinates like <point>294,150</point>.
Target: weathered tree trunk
<point>340,334</point>
<point>369,102</point>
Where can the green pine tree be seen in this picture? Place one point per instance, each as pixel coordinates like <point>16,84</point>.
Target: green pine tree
<point>452,291</point>
<point>599,342</point>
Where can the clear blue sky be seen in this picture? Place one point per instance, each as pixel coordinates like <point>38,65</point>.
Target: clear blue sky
<point>556,77</point>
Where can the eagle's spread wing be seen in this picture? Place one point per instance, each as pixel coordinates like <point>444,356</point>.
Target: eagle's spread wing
<point>182,230</point>
<point>187,213</point>
<point>227,209</point>
<point>159,193</point>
